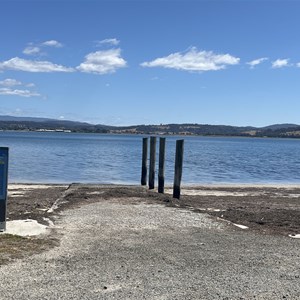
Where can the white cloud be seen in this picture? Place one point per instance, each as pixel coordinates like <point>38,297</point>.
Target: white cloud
<point>102,62</point>
<point>52,43</point>
<point>19,64</point>
<point>8,88</point>
<point>17,92</point>
<point>31,50</point>
<point>256,62</point>
<point>10,82</point>
<point>113,42</point>
<point>298,65</point>
<point>280,63</point>
<point>194,60</point>
<point>36,49</point>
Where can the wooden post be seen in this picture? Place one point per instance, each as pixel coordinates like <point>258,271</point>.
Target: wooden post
<point>152,162</point>
<point>178,168</point>
<point>161,165</point>
<point>144,162</point>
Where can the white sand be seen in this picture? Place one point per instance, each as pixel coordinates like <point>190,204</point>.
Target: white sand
<point>204,192</point>
<point>17,186</point>
<point>294,236</point>
<point>25,228</point>
<point>240,226</point>
<point>16,194</point>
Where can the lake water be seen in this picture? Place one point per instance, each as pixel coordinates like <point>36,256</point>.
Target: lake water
<point>39,157</point>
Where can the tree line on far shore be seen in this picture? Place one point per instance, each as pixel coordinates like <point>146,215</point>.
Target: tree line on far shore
<point>278,130</point>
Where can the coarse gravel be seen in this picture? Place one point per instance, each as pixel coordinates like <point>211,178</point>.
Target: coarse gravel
<point>111,250</point>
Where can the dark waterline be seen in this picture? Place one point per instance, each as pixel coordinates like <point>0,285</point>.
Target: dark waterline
<point>37,157</point>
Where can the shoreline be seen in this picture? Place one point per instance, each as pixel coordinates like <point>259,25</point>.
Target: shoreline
<point>264,209</point>
<point>273,209</point>
<point>167,186</point>
<point>157,134</point>
<point>272,191</point>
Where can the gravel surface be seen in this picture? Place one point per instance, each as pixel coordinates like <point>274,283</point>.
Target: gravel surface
<point>137,250</point>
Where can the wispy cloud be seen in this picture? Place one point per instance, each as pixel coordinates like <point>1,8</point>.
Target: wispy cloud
<point>298,65</point>
<point>19,64</point>
<point>280,63</point>
<point>31,50</point>
<point>18,92</point>
<point>194,60</point>
<point>10,82</point>
<point>8,85</point>
<point>256,62</point>
<point>113,42</point>
<point>103,62</point>
<point>35,49</point>
<point>52,43</point>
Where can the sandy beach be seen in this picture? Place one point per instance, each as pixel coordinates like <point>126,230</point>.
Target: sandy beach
<point>126,242</point>
<point>267,209</point>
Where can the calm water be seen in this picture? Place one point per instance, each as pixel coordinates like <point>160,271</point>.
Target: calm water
<point>94,158</point>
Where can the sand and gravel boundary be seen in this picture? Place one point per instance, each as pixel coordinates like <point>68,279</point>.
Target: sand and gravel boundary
<point>268,209</point>
<point>131,243</point>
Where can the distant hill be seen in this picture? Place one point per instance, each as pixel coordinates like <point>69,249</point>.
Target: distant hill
<point>26,119</point>
<point>34,124</point>
<point>45,124</point>
<point>42,120</point>
<point>280,126</point>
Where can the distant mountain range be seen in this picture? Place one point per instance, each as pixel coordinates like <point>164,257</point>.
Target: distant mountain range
<point>45,124</point>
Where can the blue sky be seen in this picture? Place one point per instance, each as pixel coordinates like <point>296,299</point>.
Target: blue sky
<point>151,62</point>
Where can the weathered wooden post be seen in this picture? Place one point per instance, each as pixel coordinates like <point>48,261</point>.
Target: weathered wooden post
<point>178,168</point>
<point>152,162</point>
<point>161,165</point>
<point>144,162</point>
